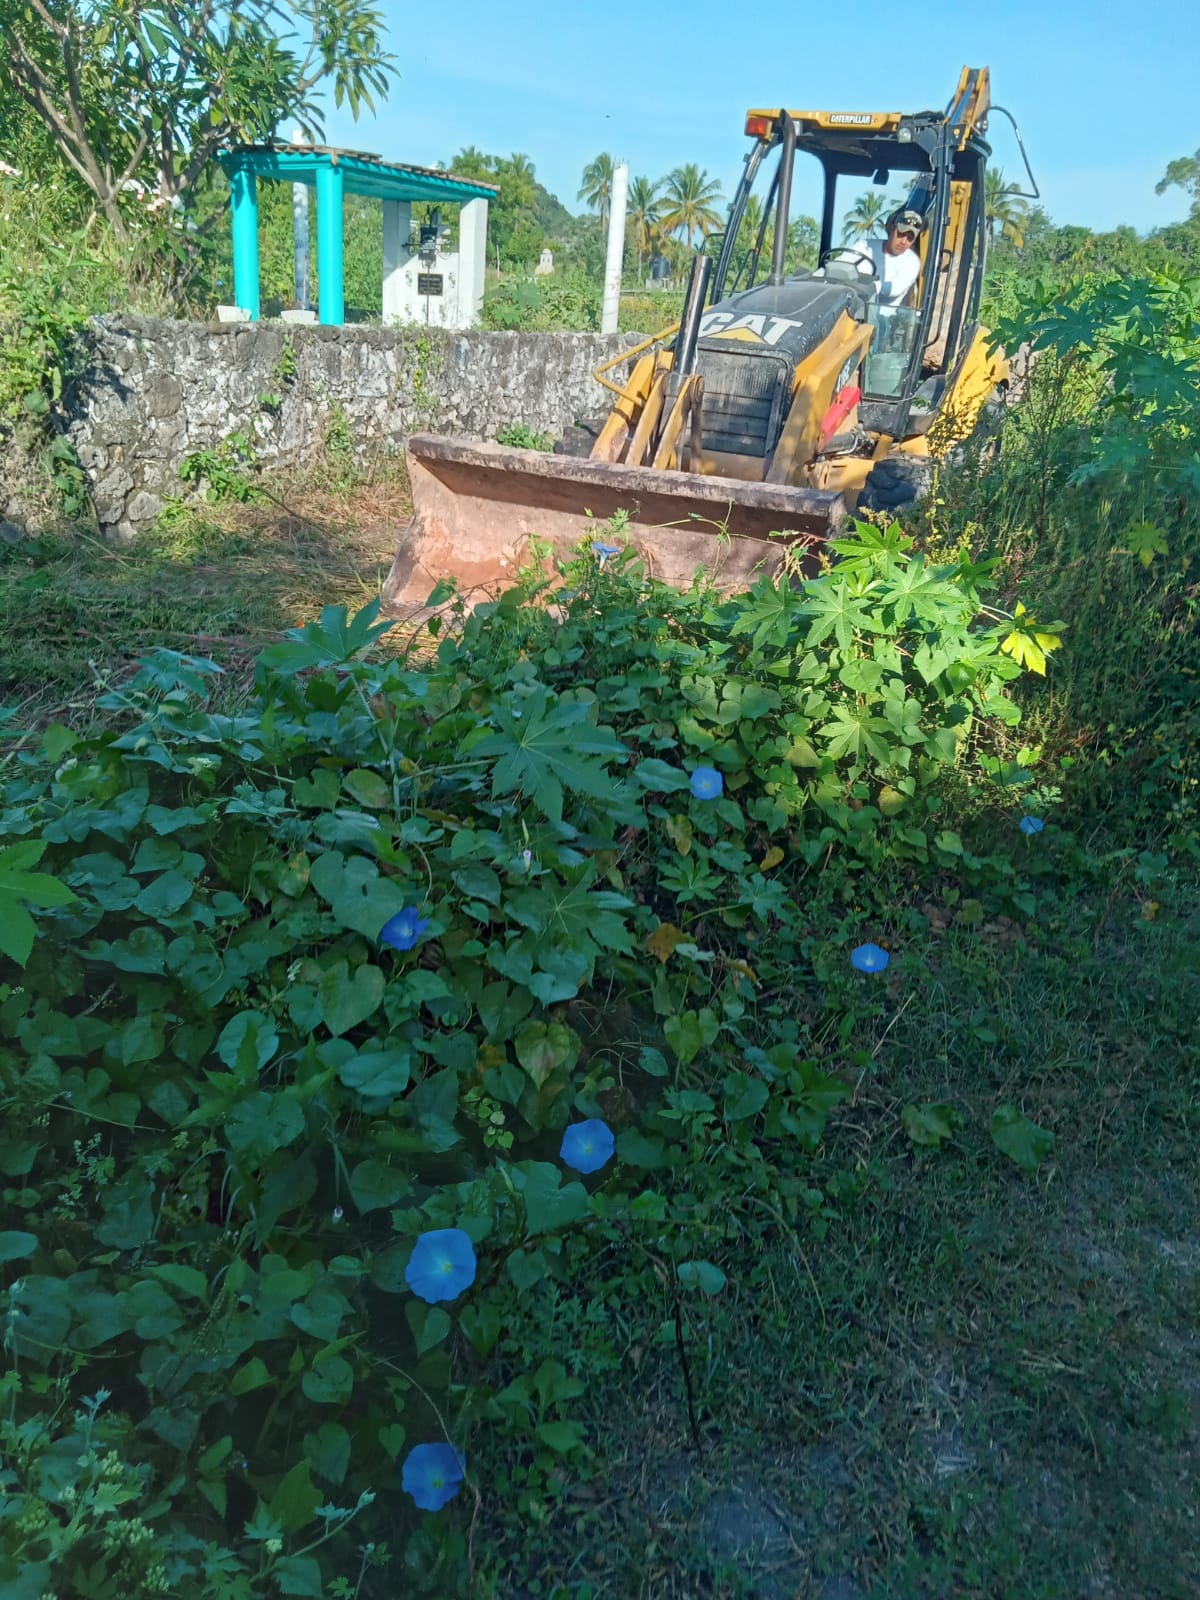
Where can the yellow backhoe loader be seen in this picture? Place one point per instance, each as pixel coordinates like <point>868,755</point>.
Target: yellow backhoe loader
<point>778,404</point>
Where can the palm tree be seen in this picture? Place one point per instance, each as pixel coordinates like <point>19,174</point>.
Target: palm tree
<point>518,181</point>
<point>643,216</point>
<point>691,202</point>
<point>864,217</point>
<point>596,189</point>
<point>472,163</point>
<point>1004,208</point>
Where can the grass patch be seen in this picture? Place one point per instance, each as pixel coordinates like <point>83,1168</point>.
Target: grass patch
<point>943,1378</point>
<point>215,580</point>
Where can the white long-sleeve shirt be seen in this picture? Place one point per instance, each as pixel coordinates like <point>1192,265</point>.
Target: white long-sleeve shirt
<point>895,274</point>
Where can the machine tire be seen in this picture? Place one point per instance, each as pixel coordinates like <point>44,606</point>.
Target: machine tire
<point>896,483</point>
<point>578,441</point>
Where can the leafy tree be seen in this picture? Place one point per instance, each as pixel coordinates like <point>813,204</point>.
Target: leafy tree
<point>1005,211</point>
<point>1184,174</point>
<point>517,235</point>
<point>596,188</point>
<point>864,217</point>
<point>804,238</point>
<point>142,93</point>
<point>644,216</point>
<point>472,163</point>
<point>691,201</point>
<point>748,228</point>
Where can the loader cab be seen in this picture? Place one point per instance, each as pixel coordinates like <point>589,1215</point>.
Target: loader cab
<point>933,162</point>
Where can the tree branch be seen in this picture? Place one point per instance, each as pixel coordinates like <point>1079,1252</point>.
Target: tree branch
<point>34,88</point>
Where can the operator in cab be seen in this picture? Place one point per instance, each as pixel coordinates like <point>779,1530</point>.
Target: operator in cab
<point>895,259</point>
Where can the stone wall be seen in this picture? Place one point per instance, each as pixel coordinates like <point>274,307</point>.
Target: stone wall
<point>156,392</point>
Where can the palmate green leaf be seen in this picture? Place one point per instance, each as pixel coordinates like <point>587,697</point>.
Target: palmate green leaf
<point>333,640</point>
<point>573,916</point>
<point>916,590</point>
<point>770,614</point>
<point>1145,541</point>
<point>548,749</point>
<point>871,549</point>
<point>1030,642</point>
<point>830,608</point>
<point>856,733</point>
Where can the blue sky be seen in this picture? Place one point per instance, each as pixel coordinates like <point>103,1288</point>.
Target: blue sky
<point>1103,106</point>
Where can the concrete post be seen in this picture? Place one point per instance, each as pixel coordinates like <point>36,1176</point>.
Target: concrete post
<point>331,289</point>
<point>397,253</point>
<point>244,218</point>
<point>300,232</point>
<point>472,261</point>
<point>616,248</point>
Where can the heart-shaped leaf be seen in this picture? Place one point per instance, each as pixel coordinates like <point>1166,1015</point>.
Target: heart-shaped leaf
<point>347,998</point>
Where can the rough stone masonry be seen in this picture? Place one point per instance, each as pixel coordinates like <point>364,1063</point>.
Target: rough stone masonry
<point>155,392</point>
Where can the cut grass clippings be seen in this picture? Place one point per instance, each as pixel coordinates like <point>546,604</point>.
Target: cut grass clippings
<point>213,580</point>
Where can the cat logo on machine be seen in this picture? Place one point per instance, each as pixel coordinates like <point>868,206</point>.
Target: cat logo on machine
<point>751,329</point>
<point>851,119</point>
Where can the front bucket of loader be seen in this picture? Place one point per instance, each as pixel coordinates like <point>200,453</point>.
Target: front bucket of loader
<point>477,507</point>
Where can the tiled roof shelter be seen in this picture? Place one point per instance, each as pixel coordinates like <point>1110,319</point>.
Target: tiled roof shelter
<point>334,174</point>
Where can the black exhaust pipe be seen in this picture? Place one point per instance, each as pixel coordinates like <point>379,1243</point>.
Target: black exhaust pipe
<point>689,322</point>
<point>787,160</point>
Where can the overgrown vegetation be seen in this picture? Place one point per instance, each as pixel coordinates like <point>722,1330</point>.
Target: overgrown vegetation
<point>1093,508</point>
<point>725,1068</point>
<point>263,1079</point>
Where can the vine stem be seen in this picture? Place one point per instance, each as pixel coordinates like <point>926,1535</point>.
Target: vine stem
<point>668,1278</point>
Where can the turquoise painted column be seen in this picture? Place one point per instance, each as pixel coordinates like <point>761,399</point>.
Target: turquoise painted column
<point>244,213</point>
<point>331,292</point>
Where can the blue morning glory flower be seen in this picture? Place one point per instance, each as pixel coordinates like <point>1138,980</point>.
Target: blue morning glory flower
<point>869,958</point>
<point>707,783</point>
<point>433,1474</point>
<point>1032,824</point>
<point>588,1146</point>
<point>603,551</point>
<point>404,929</point>
<point>442,1265</point>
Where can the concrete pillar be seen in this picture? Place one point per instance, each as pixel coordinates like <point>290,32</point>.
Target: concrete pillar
<point>244,217</point>
<point>331,289</point>
<point>611,307</point>
<point>472,261</point>
<point>397,253</point>
<point>300,232</point>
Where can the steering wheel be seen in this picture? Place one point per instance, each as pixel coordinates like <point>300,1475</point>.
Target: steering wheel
<point>840,254</point>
